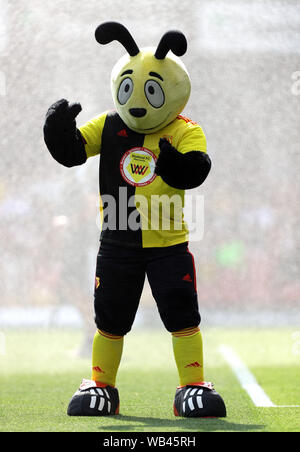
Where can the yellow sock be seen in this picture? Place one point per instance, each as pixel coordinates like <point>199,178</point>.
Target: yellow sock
<point>188,353</point>
<point>106,357</point>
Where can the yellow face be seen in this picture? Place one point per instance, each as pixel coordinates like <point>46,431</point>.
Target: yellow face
<point>149,93</point>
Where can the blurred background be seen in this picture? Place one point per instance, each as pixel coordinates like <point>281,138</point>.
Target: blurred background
<point>244,63</point>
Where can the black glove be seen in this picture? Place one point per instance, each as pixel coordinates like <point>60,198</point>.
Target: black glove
<point>61,135</point>
<point>182,171</point>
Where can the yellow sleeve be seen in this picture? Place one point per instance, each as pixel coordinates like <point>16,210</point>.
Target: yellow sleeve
<point>192,138</point>
<point>92,134</point>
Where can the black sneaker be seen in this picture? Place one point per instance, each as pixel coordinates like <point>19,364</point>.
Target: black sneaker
<point>94,399</point>
<point>198,401</point>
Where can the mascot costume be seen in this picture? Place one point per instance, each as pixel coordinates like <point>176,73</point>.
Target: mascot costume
<point>148,152</point>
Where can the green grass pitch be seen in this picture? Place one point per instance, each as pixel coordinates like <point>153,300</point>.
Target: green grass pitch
<point>39,374</point>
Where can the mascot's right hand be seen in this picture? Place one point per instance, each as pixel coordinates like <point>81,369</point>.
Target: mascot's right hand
<point>60,117</point>
<point>61,135</point>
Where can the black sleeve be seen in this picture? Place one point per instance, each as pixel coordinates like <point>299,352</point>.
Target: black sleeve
<point>66,147</point>
<point>182,171</point>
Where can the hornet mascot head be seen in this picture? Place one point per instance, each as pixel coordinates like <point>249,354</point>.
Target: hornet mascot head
<point>150,87</point>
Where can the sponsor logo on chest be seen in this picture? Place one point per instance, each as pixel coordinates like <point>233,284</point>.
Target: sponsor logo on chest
<point>137,166</point>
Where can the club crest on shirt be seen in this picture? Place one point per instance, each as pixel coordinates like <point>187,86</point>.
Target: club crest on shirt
<point>137,166</point>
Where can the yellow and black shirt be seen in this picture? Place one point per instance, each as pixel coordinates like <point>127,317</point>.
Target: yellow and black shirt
<point>129,183</point>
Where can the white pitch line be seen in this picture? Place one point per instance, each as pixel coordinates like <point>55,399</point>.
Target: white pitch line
<point>246,378</point>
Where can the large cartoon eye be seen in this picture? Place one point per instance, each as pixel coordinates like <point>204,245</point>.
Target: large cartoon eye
<point>125,90</point>
<point>154,93</point>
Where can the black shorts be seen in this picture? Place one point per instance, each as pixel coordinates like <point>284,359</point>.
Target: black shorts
<point>120,277</point>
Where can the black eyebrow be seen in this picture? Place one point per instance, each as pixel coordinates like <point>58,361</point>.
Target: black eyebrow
<point>155,74</point>
<point>129,71</point>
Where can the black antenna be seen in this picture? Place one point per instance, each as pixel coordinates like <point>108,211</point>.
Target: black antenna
<point>172,40</point>
<point>114,31</point>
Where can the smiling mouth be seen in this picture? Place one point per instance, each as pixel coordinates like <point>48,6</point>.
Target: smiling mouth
<point>151,128</point>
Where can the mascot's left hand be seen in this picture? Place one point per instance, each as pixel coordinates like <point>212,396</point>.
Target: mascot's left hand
<point>182,171</point>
